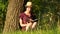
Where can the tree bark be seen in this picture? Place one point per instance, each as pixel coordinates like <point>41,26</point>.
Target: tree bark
<point>12,16</point>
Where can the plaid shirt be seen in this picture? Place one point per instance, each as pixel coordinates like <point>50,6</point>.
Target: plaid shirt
<point>25,18</point>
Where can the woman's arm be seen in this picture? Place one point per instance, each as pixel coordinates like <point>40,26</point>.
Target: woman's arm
<point>21,23</point>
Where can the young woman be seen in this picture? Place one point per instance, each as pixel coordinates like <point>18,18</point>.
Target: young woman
<point>26,18</point>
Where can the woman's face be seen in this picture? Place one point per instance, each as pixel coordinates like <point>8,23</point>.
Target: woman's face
<point>28,8</point>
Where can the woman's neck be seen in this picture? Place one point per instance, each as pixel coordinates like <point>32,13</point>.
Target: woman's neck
<point>27,13</point>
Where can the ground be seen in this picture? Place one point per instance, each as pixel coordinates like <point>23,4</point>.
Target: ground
<point>56,31</point>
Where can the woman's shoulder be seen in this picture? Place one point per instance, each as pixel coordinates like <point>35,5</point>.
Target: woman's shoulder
<point>21,13</point>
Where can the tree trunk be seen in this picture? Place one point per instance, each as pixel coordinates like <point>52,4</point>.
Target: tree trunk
<point>12,16</point>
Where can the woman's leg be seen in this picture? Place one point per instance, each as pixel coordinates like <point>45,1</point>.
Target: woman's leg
<point>34,24</point>
<point>28,26</point>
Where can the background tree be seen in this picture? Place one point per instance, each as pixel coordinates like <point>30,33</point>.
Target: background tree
<point>12,16</point>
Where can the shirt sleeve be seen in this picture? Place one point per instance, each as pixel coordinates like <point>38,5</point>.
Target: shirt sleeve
<point>21,16</point>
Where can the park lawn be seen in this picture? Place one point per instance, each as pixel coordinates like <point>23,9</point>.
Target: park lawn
<point>36,32</point>
<point>53,31</point>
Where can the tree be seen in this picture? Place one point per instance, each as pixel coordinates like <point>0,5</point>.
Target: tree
<point>12,16</point>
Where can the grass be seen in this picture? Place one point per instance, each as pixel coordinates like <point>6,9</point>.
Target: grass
<point>53,31</point>
<point>36,32</point>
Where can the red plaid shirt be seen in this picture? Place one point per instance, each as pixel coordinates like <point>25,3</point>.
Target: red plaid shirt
<point>24,18</point>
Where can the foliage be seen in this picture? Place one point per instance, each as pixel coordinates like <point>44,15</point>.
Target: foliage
<point>3,9</point>
<point>47,11</point>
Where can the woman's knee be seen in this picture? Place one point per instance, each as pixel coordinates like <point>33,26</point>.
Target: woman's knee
<point>35,23</point>
<point>29,24</point>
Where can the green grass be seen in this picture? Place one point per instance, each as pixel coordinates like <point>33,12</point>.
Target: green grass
<point>36,32</point>
<point>53,31</point>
